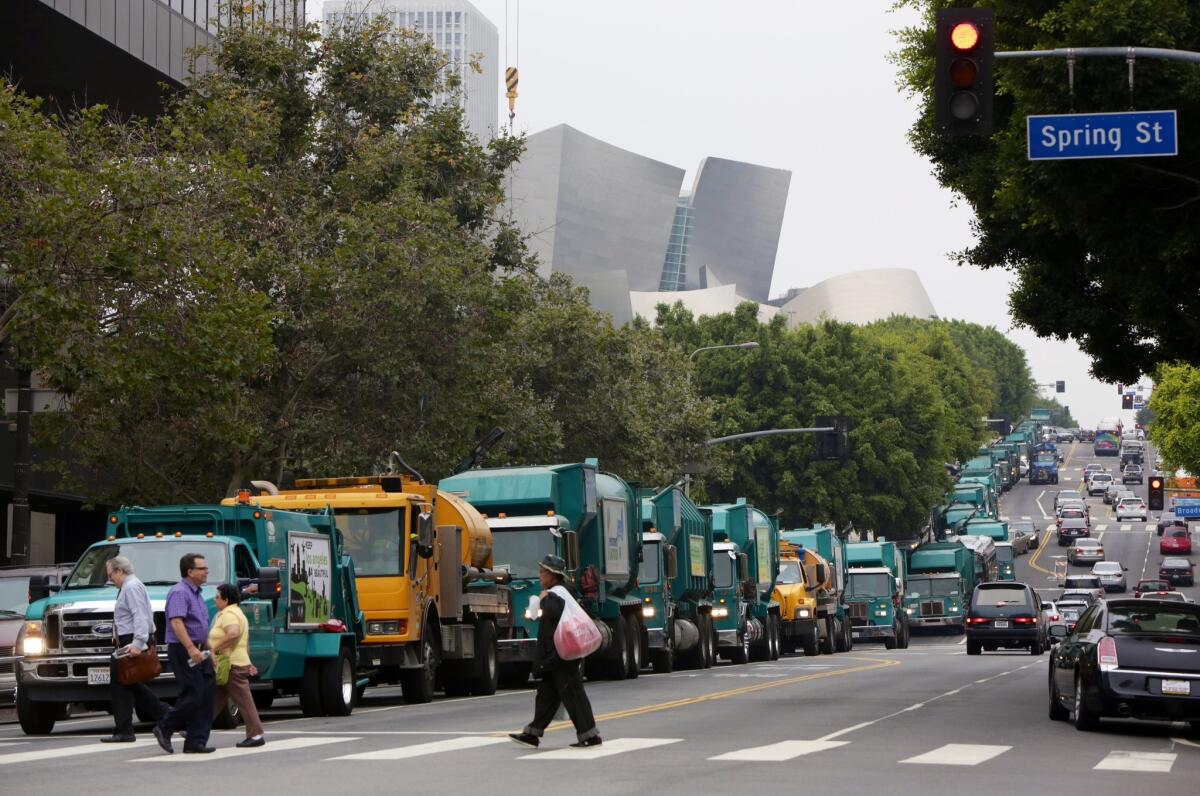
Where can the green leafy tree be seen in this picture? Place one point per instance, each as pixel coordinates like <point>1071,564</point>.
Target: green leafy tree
<point>1176,406</point>
<point>1104,251</point>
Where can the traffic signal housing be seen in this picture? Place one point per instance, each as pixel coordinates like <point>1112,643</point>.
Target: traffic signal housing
<point>833,445</point>
<point>1156,493</point>
<point>962,88</point>
<point>1126,401</point>
<point>1060,386</point>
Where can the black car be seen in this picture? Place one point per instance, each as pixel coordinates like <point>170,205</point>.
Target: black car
<point>1005,614</point>
<point>1128,658</point>
<point>1178,571</point>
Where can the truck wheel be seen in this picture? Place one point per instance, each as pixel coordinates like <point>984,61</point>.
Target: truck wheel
<point>487,668</point>
<point>710,642</point>
<point>337,684</point>
<point>902,639</point>
<point>827,643</point>
<point>663,660</point>
<point>761,650</point>
<point>37,718</point>
<point>418,685</point>
<point>515,675</point>
<point>263,699</point>
<point>618,663</point>
<point>810,642</point>
<point>310,690</point>
<point>839,636</point>
<point>229,718</point>
<point>633,637</point>
<point>776,637</point>
<point>741,653</point>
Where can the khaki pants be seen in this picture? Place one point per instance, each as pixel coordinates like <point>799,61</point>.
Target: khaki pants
<point>238,689</point>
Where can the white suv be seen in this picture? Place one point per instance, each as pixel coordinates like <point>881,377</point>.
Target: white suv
<point>1132,509</point>
<point>1098,483</point>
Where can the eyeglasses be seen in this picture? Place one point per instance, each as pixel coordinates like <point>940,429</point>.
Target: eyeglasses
<point>200,569</point>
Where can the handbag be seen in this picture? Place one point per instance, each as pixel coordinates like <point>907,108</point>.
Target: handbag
<point>576,635</point>
<point>132,670</point>
<point>224,664</point>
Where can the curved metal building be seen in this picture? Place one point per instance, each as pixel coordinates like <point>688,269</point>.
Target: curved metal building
<point>862,297</point>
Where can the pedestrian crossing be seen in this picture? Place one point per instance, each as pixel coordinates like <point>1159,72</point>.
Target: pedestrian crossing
<point>333,749</point>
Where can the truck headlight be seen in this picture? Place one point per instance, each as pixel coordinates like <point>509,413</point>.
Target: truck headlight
<point>720,612</point>
<point>31,640</point>
<point>383,628</point>
<point>954,609</point>
<point>648,611</point>
<point>908,610</point>
<point>803,613</point>
<point>528,615</point>
<point>881,613</point>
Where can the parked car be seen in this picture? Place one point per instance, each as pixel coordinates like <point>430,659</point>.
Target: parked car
<point>1177,571</point>
<point>1111,575</point>
<point>1175,541</point>
<point>1098,484</point>
<point>1098,669</point>
<point>1005,615</point>
<point>1085,551</point>
<point>1152,586</point>
<point>1088,584</point>
<point>14,599</point>
<point>1132,508</point>
<point>1133,474</point>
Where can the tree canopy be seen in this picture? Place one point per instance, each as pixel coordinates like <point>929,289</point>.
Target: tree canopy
<point>1104,251</point>
<point>1175,404</point>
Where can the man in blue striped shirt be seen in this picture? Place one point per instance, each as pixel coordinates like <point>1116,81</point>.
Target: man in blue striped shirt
<point>133,629</point>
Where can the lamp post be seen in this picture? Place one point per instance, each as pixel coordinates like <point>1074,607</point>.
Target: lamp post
<point>750,344</point>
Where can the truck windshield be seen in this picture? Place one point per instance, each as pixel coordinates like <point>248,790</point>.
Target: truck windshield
<point>873,584</point>
<point>649,570</point>
<point>723,570</point>
<point>789,572</point>
<point>153,562</point>
<point>374,540</point>
<point>1046,456</point>
<point>520,549</point>
<point>14,594</point>
<point>933,587</point>
<point>1004,553</point>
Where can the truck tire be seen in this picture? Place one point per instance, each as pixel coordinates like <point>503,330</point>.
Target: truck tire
<point>810,642</point>
<point>761,650</point>
<point>486,675</point>
<point>889,643</point>
<point>515,675</point>
<point>337,684</point>
<point>776,637</point>
<point>663,660</point>
<point>903,636</point>
<point>37,718</point>
<point>710,641</point>
<point>229,718</point>
<point>618,663</point>
<point>418,685</point>
<point>633,637</point>
<point>310,690</point>
<point>840,636</point>
<point>827,643</point>
<point>741,653</point>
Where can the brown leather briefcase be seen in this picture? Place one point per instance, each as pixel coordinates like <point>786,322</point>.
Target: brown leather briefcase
<point>132,670</point>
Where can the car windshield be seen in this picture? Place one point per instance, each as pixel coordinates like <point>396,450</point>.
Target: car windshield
<point>1071,612</point>
<point>1134,619</point>
<point>1069,494</point>
<point>933,587</point>
<point>14,594</point>
<point>1101,477</point>
<point>1176,533</point>
<point>1001,596</point>
<point>1107,568</point>
<point>1174,563</point>
<point>374,540</point>
<point>1082,582</point>
<point>870,584</point>
<point>1024,527</point>
<point>1132,502</point>
<point>153,561</point>
<point>1081,543</point>
<point>1072,514</point>
<point>789,572</point>
<point>1004,553</point>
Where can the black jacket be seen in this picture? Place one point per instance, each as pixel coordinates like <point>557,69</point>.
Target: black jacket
<point>547,656</point>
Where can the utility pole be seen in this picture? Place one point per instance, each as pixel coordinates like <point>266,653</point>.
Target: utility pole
<point>21,534</point>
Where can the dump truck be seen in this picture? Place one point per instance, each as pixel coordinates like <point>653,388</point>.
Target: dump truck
<point>996,530</point>
<point>809,592</point>
<point>592,519</point>
<point>1043,466</point>
<point>738,629</point>
<point>874,593</point>
<point>300,600</point>
<point>983,550</point>
<point>675,577</point>
<point>941,577</point>
<point>434,606</point>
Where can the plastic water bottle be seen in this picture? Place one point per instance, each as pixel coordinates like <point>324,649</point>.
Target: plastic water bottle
<point>203,657</point>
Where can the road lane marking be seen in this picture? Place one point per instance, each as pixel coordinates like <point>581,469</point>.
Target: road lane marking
<point>225,753</point>
<point>848,730</point>
<point>1151,762</point>
<point>607,749</point>
<point>422,749</point>
<point>72,751</point>
<point>1038,500</point>
<point>1126,527</point>
<point>959,754</point>
<point>779,752</point>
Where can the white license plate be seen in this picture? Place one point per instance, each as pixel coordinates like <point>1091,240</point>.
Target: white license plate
<point>1000,623</point>
<point>98,676</point>
<point>1177,687</point>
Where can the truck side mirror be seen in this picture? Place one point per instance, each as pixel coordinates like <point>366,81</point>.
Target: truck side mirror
<point>425,534</point>
<point>743,566</point>
<point>670,562</point>
<point>40,587</point>
<point>571,550</point>
<point>820,573</point>
<point>269,584</point>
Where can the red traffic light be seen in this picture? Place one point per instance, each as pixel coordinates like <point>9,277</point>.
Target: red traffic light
<point>964,36</point>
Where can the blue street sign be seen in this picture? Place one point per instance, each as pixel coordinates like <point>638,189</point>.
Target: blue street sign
<point>1187,511</point>
<point>1133,134</point>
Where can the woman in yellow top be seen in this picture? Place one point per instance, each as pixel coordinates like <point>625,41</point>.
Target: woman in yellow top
<point>230,635</point>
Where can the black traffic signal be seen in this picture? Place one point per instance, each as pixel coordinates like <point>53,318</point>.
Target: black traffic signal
<point>962,86</point>
<point>1060,386</point>
<point>1126,401</point>
<point>833,445</point>
<point>1156,493</point>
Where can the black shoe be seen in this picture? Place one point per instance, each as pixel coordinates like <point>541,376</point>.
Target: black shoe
<point>119,738</point>
<point>198,750</point>
<point>525,739</point>
<point>164,740</point>
<point>259,741</point>
<point>595,740</point>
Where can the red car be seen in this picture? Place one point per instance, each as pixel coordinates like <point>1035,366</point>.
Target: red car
<point>1175,541</point>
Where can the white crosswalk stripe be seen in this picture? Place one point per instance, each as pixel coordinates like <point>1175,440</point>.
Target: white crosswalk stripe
<point>1101,527</point>
<point>431,748</point>
<point>607,749</point>
<point>1126,527</point>
<point>959,754</point>
<point>778,752</point>
<point>224,753</point>
<point>1155,762</point>
<point>1151,527</point>
<point>59,752</point>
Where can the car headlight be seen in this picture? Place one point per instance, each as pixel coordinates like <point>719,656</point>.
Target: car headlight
<point>720,612</point>
<point>648,611</point>
<point>803,613</point>
<point>30,639</point>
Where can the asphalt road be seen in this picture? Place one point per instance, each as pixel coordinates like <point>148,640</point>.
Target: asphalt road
<point>924,720</point>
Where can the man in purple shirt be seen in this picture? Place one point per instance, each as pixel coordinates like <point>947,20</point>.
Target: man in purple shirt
<point>187,637</point>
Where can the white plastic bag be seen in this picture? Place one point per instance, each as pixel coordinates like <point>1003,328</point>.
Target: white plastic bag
<point>576,635</point>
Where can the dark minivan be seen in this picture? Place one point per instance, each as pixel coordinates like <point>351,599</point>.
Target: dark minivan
<point>1005,614</point>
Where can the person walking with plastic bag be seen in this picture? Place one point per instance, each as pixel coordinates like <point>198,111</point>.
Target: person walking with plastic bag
<point>563,641</point>
<point>229,639</point>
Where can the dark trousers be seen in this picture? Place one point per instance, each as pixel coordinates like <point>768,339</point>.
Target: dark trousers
<point>563,685</point>
<point>126,697</point>
<point>193,709</point>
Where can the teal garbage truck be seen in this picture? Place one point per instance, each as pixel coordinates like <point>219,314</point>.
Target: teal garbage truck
<point>675,577</point>
<point>592,519</point>
<point>941,577</point>
<point>745,564</point>
<point>299,598</point>
<point>875,578</point>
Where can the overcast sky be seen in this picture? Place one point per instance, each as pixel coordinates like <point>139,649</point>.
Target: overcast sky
<point>803,85</point>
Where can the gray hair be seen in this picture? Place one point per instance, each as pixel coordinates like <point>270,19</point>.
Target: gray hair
<point>120,564</point>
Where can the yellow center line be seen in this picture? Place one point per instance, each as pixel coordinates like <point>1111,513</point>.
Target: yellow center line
<point>1033,562</point>
<point>716,695</point>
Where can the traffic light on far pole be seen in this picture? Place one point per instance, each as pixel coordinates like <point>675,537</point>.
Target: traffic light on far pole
<point>1126,401</point>
<point>962,85</point>
<point>1156,493</point>
<point>833,445</point>
<point>1060,386</point>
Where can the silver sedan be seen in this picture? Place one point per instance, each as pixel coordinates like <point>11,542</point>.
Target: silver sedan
<point>1111,575</point>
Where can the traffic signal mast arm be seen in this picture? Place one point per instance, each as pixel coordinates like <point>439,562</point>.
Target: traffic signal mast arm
<point>1118,52</point>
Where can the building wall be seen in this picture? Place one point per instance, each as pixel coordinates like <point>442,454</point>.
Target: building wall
<point>862,297</point>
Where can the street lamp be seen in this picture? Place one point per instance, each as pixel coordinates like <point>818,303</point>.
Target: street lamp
<point>751,344</point>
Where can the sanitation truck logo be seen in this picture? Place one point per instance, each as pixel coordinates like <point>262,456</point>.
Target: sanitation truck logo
<point>698,560</point>
<point>309,593</point>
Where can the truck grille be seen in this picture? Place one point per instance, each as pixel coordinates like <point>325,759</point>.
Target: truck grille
<point>857,613</point>
<point>932,608</point>
<point>8,667</point>
<point>75,631</point>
